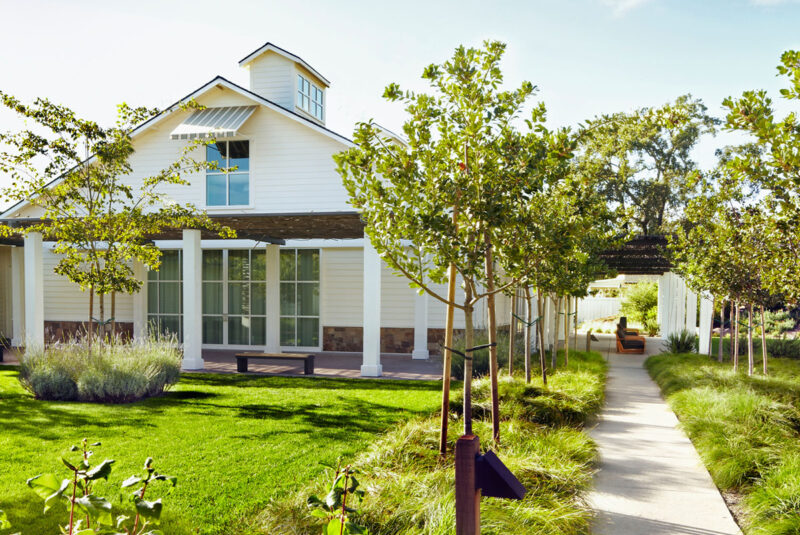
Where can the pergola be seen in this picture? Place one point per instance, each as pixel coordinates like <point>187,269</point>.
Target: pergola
<point>677,304</point>
<point>271,229</point>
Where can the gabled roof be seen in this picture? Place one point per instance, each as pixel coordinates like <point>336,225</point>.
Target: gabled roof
<point>218,81</point>
<point>269,47</point>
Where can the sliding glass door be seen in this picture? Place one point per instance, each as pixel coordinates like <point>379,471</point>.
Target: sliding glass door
<point>234,297</point>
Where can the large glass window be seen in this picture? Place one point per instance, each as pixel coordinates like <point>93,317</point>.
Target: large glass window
<point>229,183</point>
<point>234,297</point>
<point>300,297</point>
<point>164,295</point>
<point>310,97</point>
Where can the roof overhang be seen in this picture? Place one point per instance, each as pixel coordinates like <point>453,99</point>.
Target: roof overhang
<point>269,228</point>
<point>642,255</point>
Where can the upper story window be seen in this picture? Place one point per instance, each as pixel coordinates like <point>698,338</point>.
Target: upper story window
<point>309,97</point>
<point>226,186</point>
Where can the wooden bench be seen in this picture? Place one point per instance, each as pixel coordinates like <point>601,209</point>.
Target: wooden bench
<point>628,343</point>
<point>243,358</point>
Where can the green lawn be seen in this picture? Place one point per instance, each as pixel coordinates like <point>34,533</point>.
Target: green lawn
<point>234,442</point>
<point>746,429</point>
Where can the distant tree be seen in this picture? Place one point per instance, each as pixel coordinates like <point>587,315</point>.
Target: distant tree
<point>74,171</point>
<point>643,159</point>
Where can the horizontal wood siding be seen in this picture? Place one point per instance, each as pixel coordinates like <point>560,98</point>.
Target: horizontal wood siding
<point>272,77</point>
<point>64,300</point>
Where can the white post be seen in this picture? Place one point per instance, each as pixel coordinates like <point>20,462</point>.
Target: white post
<point>192,300</point>
<point>17,296</point>
<point>34,291</point>
<point>371,366</point>
<point>680,309</point>
<point>273,299</point>
<point>140,302</point>
<point>691,311</point>
<point>664,308</point>
<point>706,317</point>
<point>420,327</point>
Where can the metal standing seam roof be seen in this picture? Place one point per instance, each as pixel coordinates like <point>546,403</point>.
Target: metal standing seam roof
<point>213,122</point>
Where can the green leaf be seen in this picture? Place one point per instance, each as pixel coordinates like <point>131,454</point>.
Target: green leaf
<point>131,481</point>
<point>334,527</point>
<point>4,523</point>
<point>101,471</point>
<point>171,479</point>
<point>96,507</point>
<point>68,465</point>
<point>353,529</point>
<point>314,501</point>
<point>149,510</point>
<point>48,488</point>
<point>319,513</point>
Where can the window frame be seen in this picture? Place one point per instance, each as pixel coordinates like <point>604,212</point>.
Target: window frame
<point>313,91</point>
<point>154,318</point>
<point>296,282</point>
<point>227,175</point>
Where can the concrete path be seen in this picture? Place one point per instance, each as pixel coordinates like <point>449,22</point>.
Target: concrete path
<point>651,479</point>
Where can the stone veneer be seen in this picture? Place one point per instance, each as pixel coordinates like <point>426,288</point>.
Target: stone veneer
<point>393,339</point>
<point>60,331</point>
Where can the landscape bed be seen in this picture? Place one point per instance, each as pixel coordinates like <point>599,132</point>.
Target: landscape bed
<point>410,491</point>
<point>746,430</point>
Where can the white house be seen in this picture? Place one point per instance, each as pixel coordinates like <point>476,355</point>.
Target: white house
<point>300,276</point>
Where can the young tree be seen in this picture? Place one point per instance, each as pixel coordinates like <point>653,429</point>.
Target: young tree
<point>75,172</point>
<point>439,201</point>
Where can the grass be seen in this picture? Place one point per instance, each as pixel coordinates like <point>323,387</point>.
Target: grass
<point>234,442</point>
<point>410,491</point>
<point>746,429</point>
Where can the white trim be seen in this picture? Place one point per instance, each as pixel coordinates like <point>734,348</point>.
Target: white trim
<point>269,47</point>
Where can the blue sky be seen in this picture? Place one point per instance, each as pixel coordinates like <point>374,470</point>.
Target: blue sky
<point>587,56</point>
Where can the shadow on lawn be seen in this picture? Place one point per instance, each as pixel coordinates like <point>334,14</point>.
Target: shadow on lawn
<point>315,383</point>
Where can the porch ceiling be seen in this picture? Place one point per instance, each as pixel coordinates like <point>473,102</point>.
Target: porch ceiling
<point>266,227</point>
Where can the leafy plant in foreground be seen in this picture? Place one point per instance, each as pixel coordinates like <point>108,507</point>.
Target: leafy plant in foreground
<point>333,509</point>
<point>90,513</point>
<point>682,342</point>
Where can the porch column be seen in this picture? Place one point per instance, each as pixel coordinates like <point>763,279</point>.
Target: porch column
<point>371,366</point>
<point>17,296</point>
<point>34,291</point>
<point>691,310</point>
<point>192,300</point>
<point>420,327</point>
<point>680,308</point>
<point>273,299</point>
<point>706,317</point>
<point>664,302</point>
<point>140,302</point>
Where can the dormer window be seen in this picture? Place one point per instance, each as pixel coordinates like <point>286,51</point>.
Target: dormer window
<point>309,97</point>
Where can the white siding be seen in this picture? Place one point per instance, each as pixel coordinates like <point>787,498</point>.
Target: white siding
<point>64,300</point>
<point>272,77</point>
<point>342,290</point>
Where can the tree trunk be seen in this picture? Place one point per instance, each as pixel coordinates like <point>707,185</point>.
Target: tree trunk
<point>113,316</point>
<point>763,342</point>
<point>491,312</point>
<point>557,324</point>
<point>447,358</point>
<point>102,317</point>
<point>736,341</point>
<point>469,340</point>
<point>731,320</point>
<point>566,330</point>
<point>750,362</point>
<point>528,320</point>
<point>540,332</point>
<point>512,333</point>
<point>721,330</point>
<point>711,327</point>
<point>90,326</point>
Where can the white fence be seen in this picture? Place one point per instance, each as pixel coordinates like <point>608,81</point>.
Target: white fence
<point>592,308</point>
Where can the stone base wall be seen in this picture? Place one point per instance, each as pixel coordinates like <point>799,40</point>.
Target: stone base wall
<point>61,331</point>
<point>393,339</point>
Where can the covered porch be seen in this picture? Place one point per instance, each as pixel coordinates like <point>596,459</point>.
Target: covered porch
<point>268,232</point>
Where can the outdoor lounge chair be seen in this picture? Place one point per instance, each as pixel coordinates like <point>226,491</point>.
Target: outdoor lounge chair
<point>629,343</point>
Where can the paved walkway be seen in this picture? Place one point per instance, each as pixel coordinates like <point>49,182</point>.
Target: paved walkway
<point>326,364</point>
<point>650,479</point>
